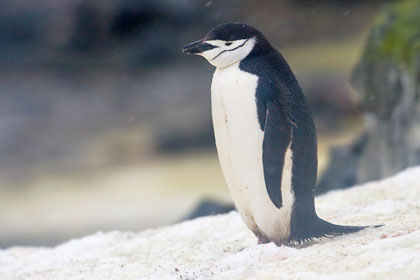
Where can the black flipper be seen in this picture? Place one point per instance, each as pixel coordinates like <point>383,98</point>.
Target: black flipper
<point>277,134</point>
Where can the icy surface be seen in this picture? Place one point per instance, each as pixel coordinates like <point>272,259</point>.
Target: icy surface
<point>221,247</point>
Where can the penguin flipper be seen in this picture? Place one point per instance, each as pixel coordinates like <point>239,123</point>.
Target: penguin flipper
<point>277,137</point>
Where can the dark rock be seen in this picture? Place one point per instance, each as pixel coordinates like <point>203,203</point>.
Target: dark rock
<point>341,173</point>
<point>208,207</point>
<point>388,81</point>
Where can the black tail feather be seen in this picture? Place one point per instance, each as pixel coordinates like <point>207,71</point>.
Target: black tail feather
<point>306,225</point>
<point>330,230</point>
<point>319,228</point>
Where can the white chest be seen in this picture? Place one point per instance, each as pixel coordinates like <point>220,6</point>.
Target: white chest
<point>239,142</point>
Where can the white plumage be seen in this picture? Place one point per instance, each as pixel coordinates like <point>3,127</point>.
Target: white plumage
<point>239,142</point>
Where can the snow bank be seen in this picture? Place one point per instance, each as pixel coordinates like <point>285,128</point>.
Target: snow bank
<point>220,247</point>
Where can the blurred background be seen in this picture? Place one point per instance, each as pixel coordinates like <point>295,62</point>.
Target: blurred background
<point>106,125</point>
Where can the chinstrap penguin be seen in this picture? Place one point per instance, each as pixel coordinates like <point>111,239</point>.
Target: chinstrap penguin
<point>265,136</point>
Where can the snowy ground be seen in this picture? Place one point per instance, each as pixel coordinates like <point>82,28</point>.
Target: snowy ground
<point>220,247</point>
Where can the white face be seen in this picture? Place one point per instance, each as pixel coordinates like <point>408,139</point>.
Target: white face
<point>227,53</point>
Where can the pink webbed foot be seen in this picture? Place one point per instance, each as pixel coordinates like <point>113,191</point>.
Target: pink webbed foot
<point>263,240</point>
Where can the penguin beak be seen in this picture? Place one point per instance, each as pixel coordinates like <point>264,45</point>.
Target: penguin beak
<point>197,47</point>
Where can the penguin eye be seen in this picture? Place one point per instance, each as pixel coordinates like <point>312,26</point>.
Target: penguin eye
<point>228,43</point>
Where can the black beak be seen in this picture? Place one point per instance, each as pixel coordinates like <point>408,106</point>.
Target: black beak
<point>197,47</point>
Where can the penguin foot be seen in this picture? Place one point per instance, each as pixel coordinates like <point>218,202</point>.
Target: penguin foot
<point>263,240</point>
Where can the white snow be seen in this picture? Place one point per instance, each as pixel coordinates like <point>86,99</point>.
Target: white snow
<point>221,247</point>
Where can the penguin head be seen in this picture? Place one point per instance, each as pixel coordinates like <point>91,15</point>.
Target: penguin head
<point>227,44</point>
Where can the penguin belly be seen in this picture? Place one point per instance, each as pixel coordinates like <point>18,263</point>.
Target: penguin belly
<point>239,142</point>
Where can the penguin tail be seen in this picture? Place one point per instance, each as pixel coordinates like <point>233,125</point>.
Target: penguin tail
<point>319,228</point>
<point>327,229</point>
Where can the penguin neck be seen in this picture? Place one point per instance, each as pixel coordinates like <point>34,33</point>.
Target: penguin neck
<point>231,66</point>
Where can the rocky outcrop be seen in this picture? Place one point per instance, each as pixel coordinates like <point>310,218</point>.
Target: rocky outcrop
<point>388,81</point>
<point>221,247</point>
